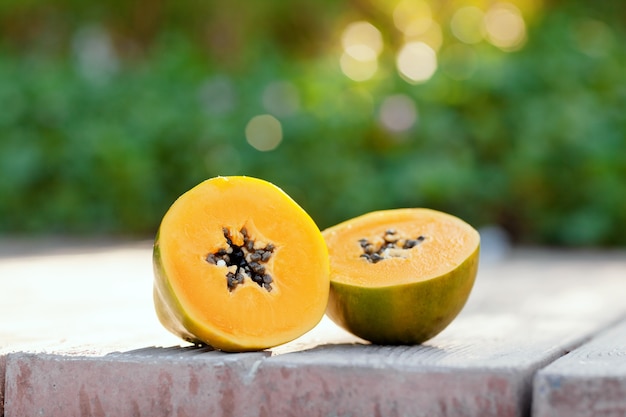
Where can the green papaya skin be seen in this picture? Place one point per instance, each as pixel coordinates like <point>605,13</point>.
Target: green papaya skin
<point>403,314</point>
<point>168,309</point>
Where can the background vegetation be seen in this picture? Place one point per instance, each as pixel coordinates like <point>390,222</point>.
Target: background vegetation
<point>110,110</point>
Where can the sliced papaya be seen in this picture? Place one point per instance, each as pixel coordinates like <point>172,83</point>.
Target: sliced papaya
<point>239,266</point>
<point>400,276</point>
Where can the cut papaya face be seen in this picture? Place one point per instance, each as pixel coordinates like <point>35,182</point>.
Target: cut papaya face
<point>239,266</point>
<point>400,276</point>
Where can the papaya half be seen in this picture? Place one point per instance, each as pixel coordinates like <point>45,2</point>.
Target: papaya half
<point>239,265</point>
<point>400,276</point>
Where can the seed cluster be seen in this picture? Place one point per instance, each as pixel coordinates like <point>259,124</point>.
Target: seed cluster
<point>391,245</point>
<point>244,261</point>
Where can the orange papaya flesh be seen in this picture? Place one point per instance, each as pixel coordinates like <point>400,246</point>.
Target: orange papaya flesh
<point>239,266</point>
<point>400,276</point>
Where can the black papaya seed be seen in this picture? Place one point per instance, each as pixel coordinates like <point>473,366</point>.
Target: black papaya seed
<point>243,261</point>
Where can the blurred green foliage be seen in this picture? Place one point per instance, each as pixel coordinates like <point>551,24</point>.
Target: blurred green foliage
<point>101,138</point>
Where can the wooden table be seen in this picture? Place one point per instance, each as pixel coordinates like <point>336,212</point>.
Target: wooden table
<point>543,334</point>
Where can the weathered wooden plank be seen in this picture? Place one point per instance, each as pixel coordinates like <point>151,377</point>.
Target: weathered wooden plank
<point>481,367</point>
<point>151,382</point>
<point>588,381</point>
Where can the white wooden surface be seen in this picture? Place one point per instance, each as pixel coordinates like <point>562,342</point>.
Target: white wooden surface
<point>79,336</point>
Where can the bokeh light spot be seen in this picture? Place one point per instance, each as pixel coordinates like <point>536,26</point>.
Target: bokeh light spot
<point>281,98</point>
<point>95,54</point>
<point>362,43</point>
<point>505,26</point>
<point>362,40</point>
<point>433,36</point>
<point>467,24</point>
<point>417,62</point>
<point>217,95</point>
<point>398,113</point>
<point>264,132</point>
<point>412,17</point>
<point>358,70</point>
